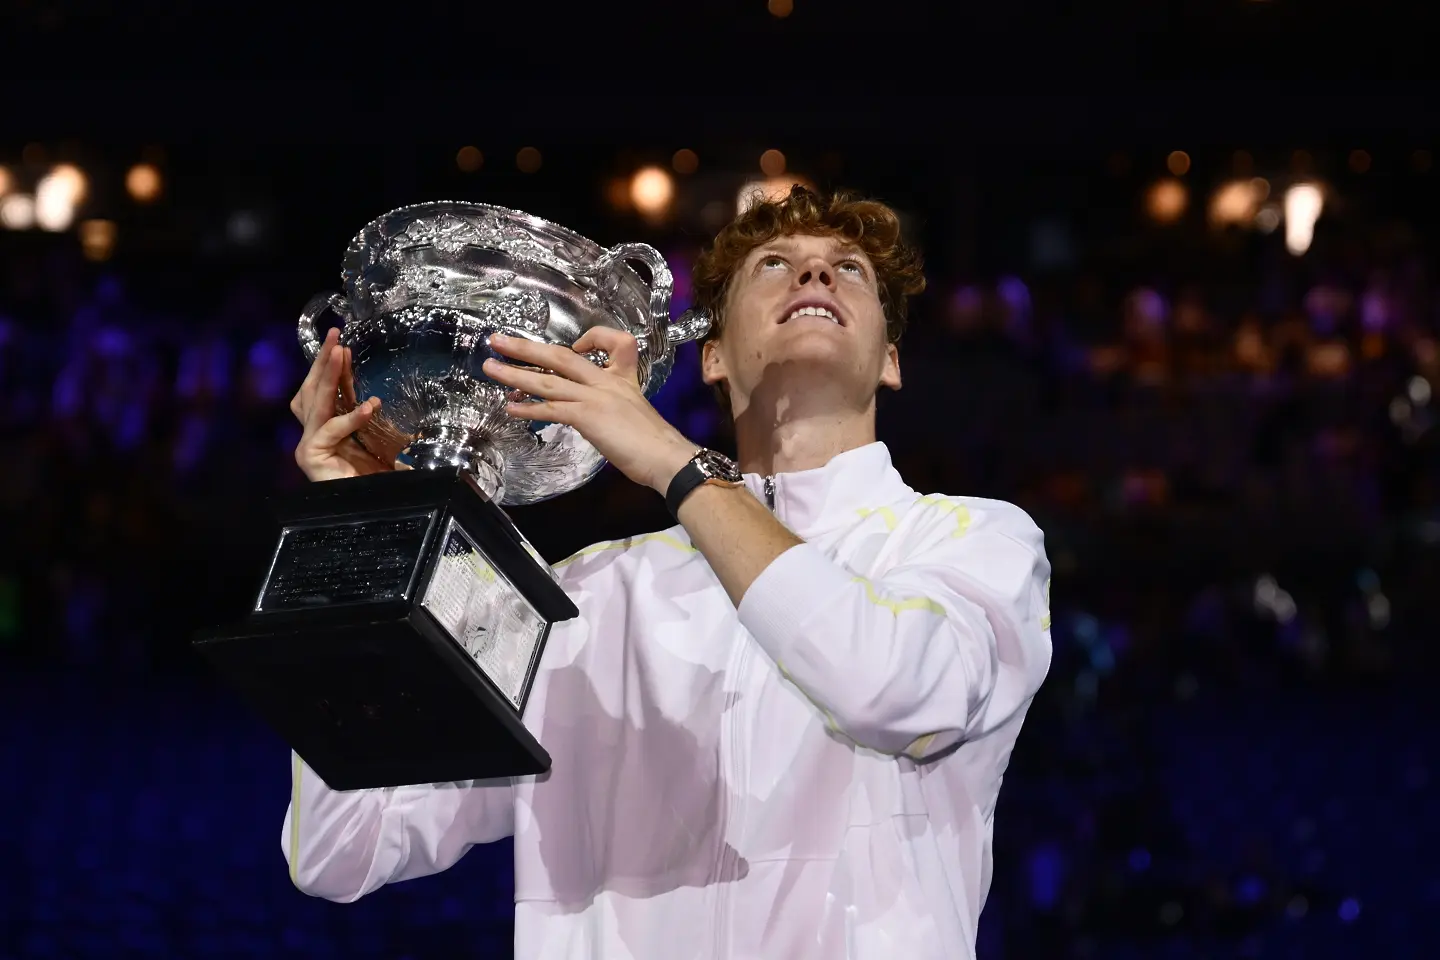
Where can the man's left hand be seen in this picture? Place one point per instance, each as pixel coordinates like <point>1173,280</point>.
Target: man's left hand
<point>605,404</point>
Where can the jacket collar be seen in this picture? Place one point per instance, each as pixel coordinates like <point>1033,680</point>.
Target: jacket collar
<point>811,502</point>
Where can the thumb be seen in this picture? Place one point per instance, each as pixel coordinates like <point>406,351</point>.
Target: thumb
<point>622,347</point>
<point>336,429</point>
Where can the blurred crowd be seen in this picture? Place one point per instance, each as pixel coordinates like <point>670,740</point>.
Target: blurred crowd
<point>1178,442</point>
<point>1206,462</point>
<point>1237,480</point>
<point>140,444</point>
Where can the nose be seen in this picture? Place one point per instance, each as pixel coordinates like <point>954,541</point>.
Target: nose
<point>817,270</point>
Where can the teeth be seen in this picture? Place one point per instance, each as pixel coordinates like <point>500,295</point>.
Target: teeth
<point>813,312</point>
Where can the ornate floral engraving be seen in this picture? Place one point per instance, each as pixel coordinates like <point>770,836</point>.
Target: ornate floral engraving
<point>451,234</point>
<point>447,233</point>
<point>524,311</point>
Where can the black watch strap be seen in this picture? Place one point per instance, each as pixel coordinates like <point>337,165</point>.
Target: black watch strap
<point>684,484</point>
<point>706,466</point>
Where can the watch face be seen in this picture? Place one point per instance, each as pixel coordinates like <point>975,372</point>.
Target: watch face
<point>719,467</point>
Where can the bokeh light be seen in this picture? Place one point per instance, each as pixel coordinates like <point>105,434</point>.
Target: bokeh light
<point>143,182</point>
<point>528,160</point>
<point>7,182</point>
<point>1236,203</point>
<point>55,203</point>
<point>772,163</point>
<point>17,211</point>
<point>97,239</point>
<point>245,228</point>
<point>780,8</point>
<point>651,191</point>
<point>1303,205</point>
<point>1359,161</point>
<point>1178,163</point>
<point>685,161</point>
<point>469,159</point>
<point>1166,201</point>
<point>69,181</point>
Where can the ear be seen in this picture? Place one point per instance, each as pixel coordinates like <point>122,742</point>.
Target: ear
<point>712,362</point>
<point>890,372</point>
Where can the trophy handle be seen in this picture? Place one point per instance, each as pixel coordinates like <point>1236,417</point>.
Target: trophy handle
<point>690,325</point>
<point>662,282</point>
<point>310,341</point>
<point>659,340</point>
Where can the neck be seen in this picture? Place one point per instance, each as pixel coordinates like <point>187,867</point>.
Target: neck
<point>782,436</point>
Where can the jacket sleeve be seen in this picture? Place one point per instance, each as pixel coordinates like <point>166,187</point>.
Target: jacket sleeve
<point>945,647</point>
<point>342,845</point>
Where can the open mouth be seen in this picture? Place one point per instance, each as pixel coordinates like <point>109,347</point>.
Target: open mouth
<point>811,310</point>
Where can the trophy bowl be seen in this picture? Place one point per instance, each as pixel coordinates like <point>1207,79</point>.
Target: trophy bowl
<point>424,288</point>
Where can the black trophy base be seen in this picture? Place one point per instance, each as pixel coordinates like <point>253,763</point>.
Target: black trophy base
<point>359,653</point>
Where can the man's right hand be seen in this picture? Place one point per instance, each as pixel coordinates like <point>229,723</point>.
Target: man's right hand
<point>328,449</point>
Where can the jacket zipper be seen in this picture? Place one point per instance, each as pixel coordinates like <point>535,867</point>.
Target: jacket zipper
<point>733,742</point>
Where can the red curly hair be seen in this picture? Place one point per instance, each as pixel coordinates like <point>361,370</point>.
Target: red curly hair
<point>869,225</point>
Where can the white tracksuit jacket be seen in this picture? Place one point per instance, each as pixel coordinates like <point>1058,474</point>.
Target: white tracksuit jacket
<point>813,775</point>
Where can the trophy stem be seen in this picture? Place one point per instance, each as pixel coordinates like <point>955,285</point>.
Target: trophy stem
<point>447,445</point>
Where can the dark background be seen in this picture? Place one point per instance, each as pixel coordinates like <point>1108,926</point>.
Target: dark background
<point>1231,447</point>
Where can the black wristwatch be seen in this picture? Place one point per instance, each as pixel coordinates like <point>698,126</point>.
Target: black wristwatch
<point>706,466</point>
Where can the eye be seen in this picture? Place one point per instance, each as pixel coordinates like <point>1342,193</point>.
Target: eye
<point>854,267</point>
<point>769,262</point>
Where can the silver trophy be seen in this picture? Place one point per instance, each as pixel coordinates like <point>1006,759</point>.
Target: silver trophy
<point>398,628</point>
<point>426,286</point>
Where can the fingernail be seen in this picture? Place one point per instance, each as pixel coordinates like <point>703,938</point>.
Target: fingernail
<point>499,336</point>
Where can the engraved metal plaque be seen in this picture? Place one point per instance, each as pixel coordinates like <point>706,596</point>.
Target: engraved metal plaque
<point>363,561</point>
<point>484,613</point>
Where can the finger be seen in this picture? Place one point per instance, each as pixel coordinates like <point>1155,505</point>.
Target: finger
<point>337,429</point>
<point>347,377</point>
<point>612,341</point>
<point>303,400</point>
<point>624,350</point>
<point>549,356</point>
<point>321,407</point>
<point>547,411</point>
<point>534,382</point>
<point>332,337</point>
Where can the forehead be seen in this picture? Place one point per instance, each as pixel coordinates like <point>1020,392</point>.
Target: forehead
<point>808,245</point>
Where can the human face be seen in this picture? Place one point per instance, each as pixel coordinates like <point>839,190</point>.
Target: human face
<point>803,304</point>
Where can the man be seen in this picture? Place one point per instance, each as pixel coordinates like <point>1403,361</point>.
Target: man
<point>779,728</point>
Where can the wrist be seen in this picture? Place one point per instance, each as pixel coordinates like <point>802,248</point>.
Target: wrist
<point>676,455</point>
